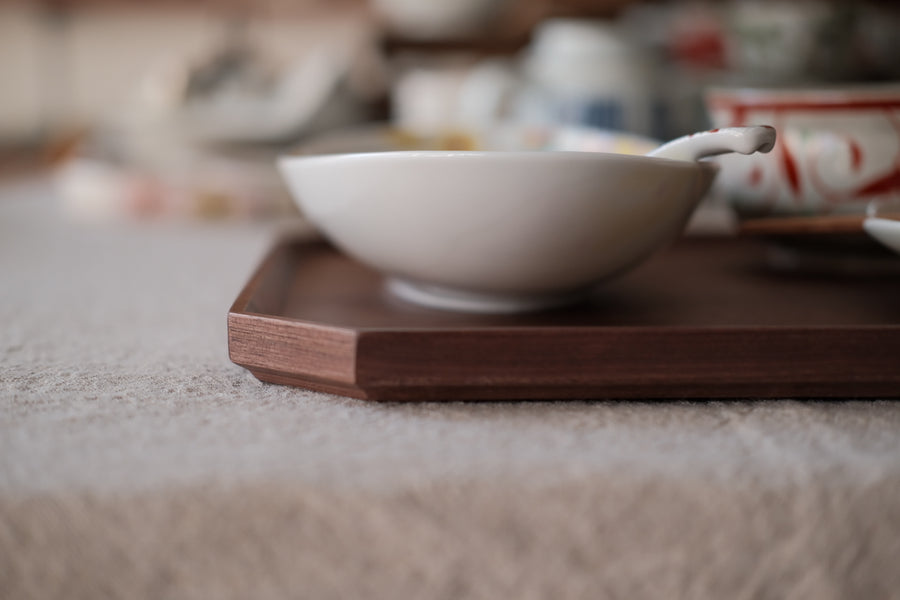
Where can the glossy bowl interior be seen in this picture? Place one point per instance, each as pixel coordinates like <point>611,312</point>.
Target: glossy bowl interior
<point>502,138</point>
<point>838,149</point>
<point>495,230</point>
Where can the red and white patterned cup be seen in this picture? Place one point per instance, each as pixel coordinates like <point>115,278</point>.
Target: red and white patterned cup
<point>838,149</point>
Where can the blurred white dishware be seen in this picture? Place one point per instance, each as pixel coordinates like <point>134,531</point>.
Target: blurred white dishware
<point>249,89</point>
<point>576,72</point>
<point>429,97</point>
<point>495,228</point>
<point>883,223</point>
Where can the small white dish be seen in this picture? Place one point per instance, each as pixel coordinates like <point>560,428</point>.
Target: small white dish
<point>886,231</point>
<point>494,230</point>
<point>883,223</point>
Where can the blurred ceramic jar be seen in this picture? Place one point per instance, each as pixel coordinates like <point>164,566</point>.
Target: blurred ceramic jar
<point>576,72</point>
<point>426,97</point>
<point>580,72</point>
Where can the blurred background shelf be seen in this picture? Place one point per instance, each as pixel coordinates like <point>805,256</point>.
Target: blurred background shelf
<point>75,61</point>
<point>173,77</point>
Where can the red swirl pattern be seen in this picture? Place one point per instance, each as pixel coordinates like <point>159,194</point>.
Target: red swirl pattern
<point>794,177</point>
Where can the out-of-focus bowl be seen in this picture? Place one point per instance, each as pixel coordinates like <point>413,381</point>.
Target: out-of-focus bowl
<point>838,149</point>
<point>494,227</point>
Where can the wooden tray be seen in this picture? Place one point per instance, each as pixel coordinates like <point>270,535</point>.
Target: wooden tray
<point>703,319</point>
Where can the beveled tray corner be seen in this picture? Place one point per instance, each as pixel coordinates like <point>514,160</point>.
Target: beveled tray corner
<point>702,319</point>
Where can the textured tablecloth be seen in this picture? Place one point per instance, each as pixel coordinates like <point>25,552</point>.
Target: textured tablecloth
<point>137,462</point>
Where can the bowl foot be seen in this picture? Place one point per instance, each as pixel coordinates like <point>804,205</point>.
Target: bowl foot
<point>454,299</point>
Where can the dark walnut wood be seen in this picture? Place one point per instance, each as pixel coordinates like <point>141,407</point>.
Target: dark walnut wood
<point>703,319</point>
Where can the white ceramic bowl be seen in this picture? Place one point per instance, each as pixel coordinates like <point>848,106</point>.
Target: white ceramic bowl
<point>492,230</point>
<point>838,149</point>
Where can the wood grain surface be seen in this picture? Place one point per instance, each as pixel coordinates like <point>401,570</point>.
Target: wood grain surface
<point>704,319</point>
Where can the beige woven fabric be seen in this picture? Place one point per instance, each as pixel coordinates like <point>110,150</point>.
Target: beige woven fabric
<point>137,462</point>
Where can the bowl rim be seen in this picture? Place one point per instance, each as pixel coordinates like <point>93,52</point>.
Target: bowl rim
<point>858,96</point>
<point>379,137</point>
<point>288,160</point>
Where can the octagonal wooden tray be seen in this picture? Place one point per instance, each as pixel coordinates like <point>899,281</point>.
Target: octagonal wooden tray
<point>703,319</point>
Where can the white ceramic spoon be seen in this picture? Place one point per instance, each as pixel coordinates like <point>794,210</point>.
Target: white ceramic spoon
<point>743,140</point>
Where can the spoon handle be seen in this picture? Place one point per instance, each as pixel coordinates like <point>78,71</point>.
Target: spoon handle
<point>745,140</point>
